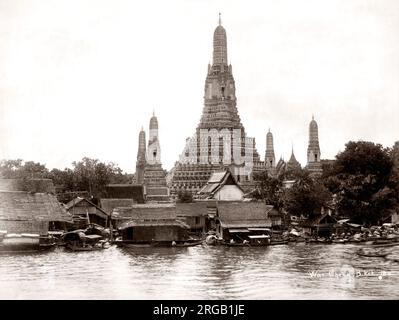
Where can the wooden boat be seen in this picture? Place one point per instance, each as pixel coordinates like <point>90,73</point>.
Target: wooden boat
<point>20,242</point>
<point>384,241</point>
<point>79,241</point>
<point>277,242</point>
<point>375,254</point>
<point>339,241</point>
<point>189,244</point>
<point>379,245</point>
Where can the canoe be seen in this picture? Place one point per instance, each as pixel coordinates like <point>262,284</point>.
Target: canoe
<point>277,242</point>
<point>379,245</point>
<point>372,254</point>
<point>339,241</point>
<point>189,244</point>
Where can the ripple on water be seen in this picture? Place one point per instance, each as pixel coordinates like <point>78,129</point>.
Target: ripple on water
<point>277,272</point>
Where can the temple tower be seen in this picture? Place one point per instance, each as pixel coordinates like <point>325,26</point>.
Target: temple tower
<point>154,149</point>
<point>156,189</point>
<point>141,158</point>
<point>314,156</point>
<point>220,141</point>
<point>270,160</point>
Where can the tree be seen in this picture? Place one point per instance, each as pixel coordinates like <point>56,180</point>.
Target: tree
<point>92,175</point>
<point>269,189</point>
<point>307,196</point>
<point>89,175</point>
<point>184,196</point>
<point>363,182</point>
<point>9,169</point>
<point>18,169</point>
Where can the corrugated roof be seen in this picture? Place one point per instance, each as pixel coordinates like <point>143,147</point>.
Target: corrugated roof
<point>265,223</point>
<point>151,223</point>
<point>25,206</point>
<point>145,211</point>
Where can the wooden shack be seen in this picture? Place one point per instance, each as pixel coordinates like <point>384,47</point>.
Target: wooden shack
<point>85,212</point>
<point>238,220</point>
<point>121,195</point>
<point>193,214</point>
<point>321,226</point>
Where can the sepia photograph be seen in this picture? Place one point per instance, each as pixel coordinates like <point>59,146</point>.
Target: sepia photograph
<point>199,150</point>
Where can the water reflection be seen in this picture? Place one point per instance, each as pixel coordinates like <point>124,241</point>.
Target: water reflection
<point>294,271</point>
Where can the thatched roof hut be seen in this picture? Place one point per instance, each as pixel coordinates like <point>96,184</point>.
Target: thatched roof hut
<point>29,185</point>
<point>29,205</point>
<point>25,212</point>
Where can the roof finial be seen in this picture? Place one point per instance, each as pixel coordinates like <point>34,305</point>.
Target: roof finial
<point>312,116</point>
<point>220,19</point>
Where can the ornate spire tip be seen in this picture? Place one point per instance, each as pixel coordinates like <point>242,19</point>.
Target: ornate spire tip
<point>220,19</point>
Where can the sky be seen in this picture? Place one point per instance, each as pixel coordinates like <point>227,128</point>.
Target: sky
<point>80,78</point>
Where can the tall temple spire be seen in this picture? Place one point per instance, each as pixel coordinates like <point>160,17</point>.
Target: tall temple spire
<point>154,149</point>
<point>270,160</point>
<point>314,155</point>
<point>219,124</point>
<point>141,158</point>
<point>219,45</point>
<point>313,146</point>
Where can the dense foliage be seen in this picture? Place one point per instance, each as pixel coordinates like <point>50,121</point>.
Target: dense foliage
<point>184,196</point>
<point>88,175</point>
<point>362,184</point>
<point>307,196</point>
<point>365,182</point>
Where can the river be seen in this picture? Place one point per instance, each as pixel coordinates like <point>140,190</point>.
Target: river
<point>293,271</point>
